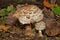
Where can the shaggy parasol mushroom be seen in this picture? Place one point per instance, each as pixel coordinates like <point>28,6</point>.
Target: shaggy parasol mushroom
<point>30,14</point>
<point>40,26</point>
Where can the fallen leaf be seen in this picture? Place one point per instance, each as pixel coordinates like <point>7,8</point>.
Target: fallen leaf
<point>3,27</point>
<point>47,4</point>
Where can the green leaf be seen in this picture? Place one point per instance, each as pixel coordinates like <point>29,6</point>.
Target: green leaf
<point>56,10</point>
<point>8,9</point>
<point>5,17</point>
<point>1,14</point>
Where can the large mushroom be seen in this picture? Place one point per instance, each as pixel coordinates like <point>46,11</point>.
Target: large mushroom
<point>28,14</point>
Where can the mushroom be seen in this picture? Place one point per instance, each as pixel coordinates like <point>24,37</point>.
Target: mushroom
<point>28,14</point>
<point>40,26</point>
<point>29,31</point>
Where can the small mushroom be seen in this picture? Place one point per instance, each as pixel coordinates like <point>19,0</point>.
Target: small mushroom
<point>40,26</point>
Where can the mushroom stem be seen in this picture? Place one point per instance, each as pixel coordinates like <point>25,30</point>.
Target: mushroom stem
<point>40,34</point>
<point>28,30</point>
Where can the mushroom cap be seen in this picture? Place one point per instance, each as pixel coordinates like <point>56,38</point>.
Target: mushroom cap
<point>40,26</point>
<point>29,14</point>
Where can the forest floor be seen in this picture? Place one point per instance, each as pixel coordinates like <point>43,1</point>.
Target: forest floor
<point>17,33</point>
